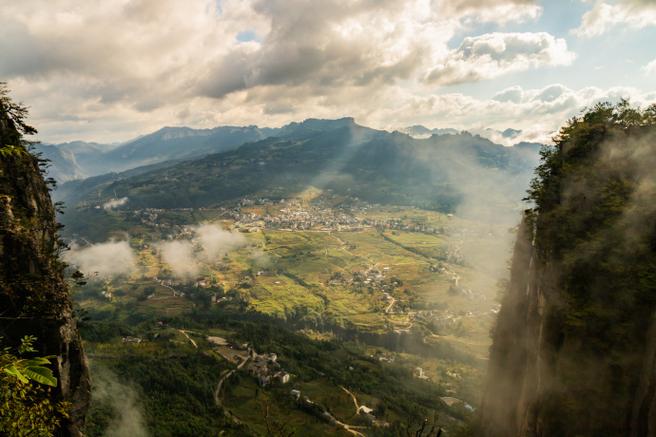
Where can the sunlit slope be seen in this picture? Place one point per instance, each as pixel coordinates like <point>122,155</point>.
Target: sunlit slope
<point>377,166</point>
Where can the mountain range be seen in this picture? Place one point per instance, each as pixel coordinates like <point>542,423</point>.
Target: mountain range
<point>79,160</point>
<point>451,173</point>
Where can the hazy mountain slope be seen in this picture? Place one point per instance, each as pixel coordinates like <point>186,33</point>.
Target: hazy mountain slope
<point>419,131</point>
<point>339,155</point>
<point>574,348</point>
<point>78,160</point>
<point>63,164</point>
<point>181,142</point>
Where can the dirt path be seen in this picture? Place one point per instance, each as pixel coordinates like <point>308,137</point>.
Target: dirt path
<point>191,340</point>
<point>355,400</point>
<point>226,374</point>
<point>390,306</point>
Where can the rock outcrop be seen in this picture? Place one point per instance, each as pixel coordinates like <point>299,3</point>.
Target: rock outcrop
<point>34,298</point>
<point>574,347</point>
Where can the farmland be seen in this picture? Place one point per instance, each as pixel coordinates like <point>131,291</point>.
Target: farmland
<point>388,293</point>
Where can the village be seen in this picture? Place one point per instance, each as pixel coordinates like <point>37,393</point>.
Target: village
<point>263,367</point>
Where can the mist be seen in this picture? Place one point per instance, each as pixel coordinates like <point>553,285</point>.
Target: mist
<point>209,243</point>
<point>114,203</point>
<point>122,400</point>
<point>584,259</point>
<point>103,260</point>
<point>180,257</point>
<point>216,242</point>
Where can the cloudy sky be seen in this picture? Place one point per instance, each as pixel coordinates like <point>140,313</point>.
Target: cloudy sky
<point>108,70</point>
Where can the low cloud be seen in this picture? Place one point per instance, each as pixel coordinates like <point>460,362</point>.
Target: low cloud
<point>216,242</point>
<point>123,403</point>
<point>114,203</point>
<point>208,244</point>
<point>180,257</point>
<point>103,260</point>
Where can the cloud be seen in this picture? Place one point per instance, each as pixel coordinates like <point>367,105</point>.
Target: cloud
<point>215,242</point>
<point>650,68</point>
<point>114,203</point>
<point>208,244</point>
<point>513,94</point>
<point>302,58</point>
<point>604,16</point>
<point>539,112</point>
<point>103,260</point>
<point>493,54</point>
<point>502,11</point>
<point>180,258</point>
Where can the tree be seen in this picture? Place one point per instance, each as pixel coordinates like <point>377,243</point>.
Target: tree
<point>12,119</point>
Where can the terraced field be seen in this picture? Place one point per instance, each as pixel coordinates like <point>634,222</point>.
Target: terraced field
<point>399,294</point>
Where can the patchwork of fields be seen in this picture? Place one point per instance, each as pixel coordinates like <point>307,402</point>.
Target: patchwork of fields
<point>411,308</point>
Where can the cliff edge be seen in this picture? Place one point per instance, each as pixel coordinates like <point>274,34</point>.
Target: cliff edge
<point>574,347</point>
<point>34,298</point>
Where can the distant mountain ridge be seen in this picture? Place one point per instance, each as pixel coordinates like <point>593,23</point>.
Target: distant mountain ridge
<point>508,136</point>
<point>79,160</point>
<point>441,172</point>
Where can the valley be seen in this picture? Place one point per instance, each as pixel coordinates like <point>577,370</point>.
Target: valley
<point>353,299</point>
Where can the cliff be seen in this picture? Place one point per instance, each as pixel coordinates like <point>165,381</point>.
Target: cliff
<point>574,346</point>
<point>34,297</point>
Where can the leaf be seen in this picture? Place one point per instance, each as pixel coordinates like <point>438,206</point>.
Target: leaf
<point>15,372</point>
<point>40,374</point>
<point>27,344</point>
<point>36,361</point>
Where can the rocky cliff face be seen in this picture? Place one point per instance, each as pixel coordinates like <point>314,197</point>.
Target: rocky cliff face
<point>574,347</point>
<point>34,297</point>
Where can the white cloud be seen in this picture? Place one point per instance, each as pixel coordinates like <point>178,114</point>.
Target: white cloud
<point>634,14</point>
<point>216,242</point>
<point>539,112</point>
<point>492,11</point>
<point>110,70</point>
<point>103,260</point>
<point>114,203</point>
<point>208,244</point>
<point>180,258</point>
<point>650,68</point>
<point>493,54</point>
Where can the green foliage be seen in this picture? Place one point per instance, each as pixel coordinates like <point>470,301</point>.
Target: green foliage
<point>593,221</point>
<point>26,404</point>
<point>26,369</point>
<point>14,114</point>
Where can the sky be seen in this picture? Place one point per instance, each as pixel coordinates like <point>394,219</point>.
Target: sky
<point>110,70</point>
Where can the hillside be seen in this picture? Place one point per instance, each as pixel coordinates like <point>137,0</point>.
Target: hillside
<point>439,173</point>
<point>573,350</point>
<point>78,160</point>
